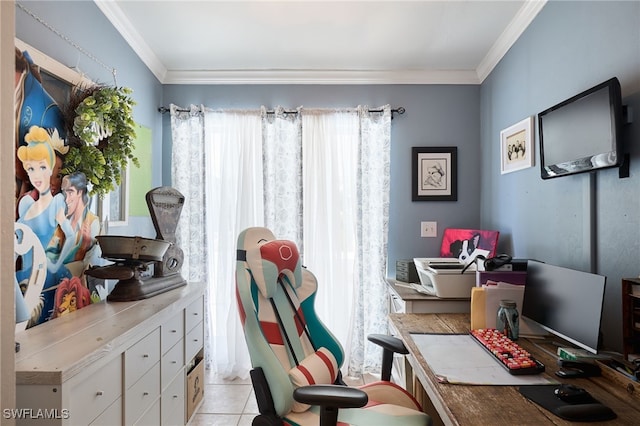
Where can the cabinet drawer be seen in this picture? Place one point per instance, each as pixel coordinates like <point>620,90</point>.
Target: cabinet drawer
<point>171,363</point>
<point>151,417</point>
<point>111,416</point>
<point>397,305</point>
<point>172,331</point>
<point>142,394</point>
<point>172,402</point>
<point>141,356</point>
<point>194,341</point>
<point>96,391</point>
<point>193,314</point>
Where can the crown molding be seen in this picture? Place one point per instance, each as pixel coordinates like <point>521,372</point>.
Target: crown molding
<point>509,36</point>
<point>321,77</point>
<point>118,19</point>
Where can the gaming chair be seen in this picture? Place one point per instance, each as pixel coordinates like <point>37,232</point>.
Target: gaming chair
<point>295,358</point>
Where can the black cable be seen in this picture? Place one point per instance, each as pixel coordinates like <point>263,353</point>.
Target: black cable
<point>284,331</point>
<point>297,314</point>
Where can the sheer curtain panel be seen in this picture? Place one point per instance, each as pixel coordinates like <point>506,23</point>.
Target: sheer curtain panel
<point>372,226</point>
<point>318,177</point>
<point>229,200</point>
<point>282,155</point>
<point>330,141</point>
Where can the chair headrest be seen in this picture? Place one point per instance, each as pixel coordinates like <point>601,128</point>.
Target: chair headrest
<point>268,259</point>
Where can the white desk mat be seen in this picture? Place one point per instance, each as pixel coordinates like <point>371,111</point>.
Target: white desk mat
<point>458,359</point>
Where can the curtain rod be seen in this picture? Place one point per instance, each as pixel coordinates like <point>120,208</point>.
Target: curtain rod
<point>399,110</point>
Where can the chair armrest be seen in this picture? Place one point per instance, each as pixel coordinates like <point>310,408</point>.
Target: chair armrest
<point>388,342</point>
<point>334,396</point>
<point>390,345</point>
<point>330,398</point>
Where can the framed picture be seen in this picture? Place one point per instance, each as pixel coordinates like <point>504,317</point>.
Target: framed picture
<point>435,174</point>
<point>516,146</point>
<point>114,207</point>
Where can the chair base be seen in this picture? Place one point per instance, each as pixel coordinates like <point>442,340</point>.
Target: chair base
<point>266,420</point>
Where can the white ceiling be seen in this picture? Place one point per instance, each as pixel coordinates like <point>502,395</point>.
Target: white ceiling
<point>320,42</point>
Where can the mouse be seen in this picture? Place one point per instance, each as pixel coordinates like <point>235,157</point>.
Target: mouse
<point>573,394</point>
<point>585,412</point>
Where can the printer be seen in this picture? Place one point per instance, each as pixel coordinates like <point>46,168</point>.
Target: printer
<point>445,277</point>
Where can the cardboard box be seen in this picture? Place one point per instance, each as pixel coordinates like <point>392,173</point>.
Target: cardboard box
<point>195,386</point>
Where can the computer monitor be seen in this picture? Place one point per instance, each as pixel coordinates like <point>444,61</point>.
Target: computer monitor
<point>565,302</point>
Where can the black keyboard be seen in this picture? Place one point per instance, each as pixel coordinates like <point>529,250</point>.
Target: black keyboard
<point>508,353</point>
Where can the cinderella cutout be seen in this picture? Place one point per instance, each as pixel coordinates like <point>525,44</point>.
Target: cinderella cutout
<point>55,230</point>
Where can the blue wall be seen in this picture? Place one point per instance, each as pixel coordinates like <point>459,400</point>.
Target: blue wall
<point>568,48</point>
<point>436,115</point>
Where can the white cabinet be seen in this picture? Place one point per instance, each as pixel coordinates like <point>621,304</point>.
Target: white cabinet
<point>174,402</point>
<point>111,416</point>
<point>172,365</point>
<point>112,363</point>
<point>405,300</point>
<point>141,356</point>
<point>94,395</point>
<point>142,394</point>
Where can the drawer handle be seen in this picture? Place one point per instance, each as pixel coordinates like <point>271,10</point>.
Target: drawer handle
<point>145,356</point>
<point>174,362</point>
<point>195,340</point>
<point>174,331</point>
<point>145,393</point>
<point>99,393</point>
<point>195,313</point>
<point>175,396</point>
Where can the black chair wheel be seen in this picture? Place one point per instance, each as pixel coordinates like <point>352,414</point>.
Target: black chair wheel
<point>264,420</point>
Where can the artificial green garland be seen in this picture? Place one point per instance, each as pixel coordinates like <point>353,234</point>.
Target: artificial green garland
<point>100,135</point>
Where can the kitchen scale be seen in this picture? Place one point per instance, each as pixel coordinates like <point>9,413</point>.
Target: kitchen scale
<point>145,267</point>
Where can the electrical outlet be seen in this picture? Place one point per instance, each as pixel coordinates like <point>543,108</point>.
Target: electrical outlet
<point>428,229</point>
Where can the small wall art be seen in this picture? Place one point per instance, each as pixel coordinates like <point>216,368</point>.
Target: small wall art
<point>516,146</point>
<point>434,174</point>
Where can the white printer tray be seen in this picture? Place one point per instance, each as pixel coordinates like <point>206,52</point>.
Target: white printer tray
<point>443,277</point>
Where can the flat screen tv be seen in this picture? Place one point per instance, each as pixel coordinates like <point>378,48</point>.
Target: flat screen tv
<point>565,302</point>
<point>583,133</point>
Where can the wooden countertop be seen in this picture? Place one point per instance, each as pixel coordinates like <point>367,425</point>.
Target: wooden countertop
<point>55,351</point>
<point>504,405</point>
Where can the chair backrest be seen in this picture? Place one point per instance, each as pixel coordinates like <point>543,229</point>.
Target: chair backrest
<point>275,296</point>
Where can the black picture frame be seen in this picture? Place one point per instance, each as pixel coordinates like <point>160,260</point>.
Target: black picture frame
<point>435,173</point>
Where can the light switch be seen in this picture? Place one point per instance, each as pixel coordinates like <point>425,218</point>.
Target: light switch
<point>429,229</point>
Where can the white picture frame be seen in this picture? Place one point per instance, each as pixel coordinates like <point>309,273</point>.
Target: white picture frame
<point>516,146</point>
<point>114,207</point>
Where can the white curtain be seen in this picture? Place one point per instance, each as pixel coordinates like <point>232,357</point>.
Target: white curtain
<point>318,177</point>
<point>282,155</point>
<point>224,183</point>
<point>372,224</point>
<point>330,154</point>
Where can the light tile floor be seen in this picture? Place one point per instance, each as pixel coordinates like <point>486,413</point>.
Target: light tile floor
<point>232,402</point>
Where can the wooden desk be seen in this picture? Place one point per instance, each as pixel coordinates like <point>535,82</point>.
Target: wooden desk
<point>500,405</point>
